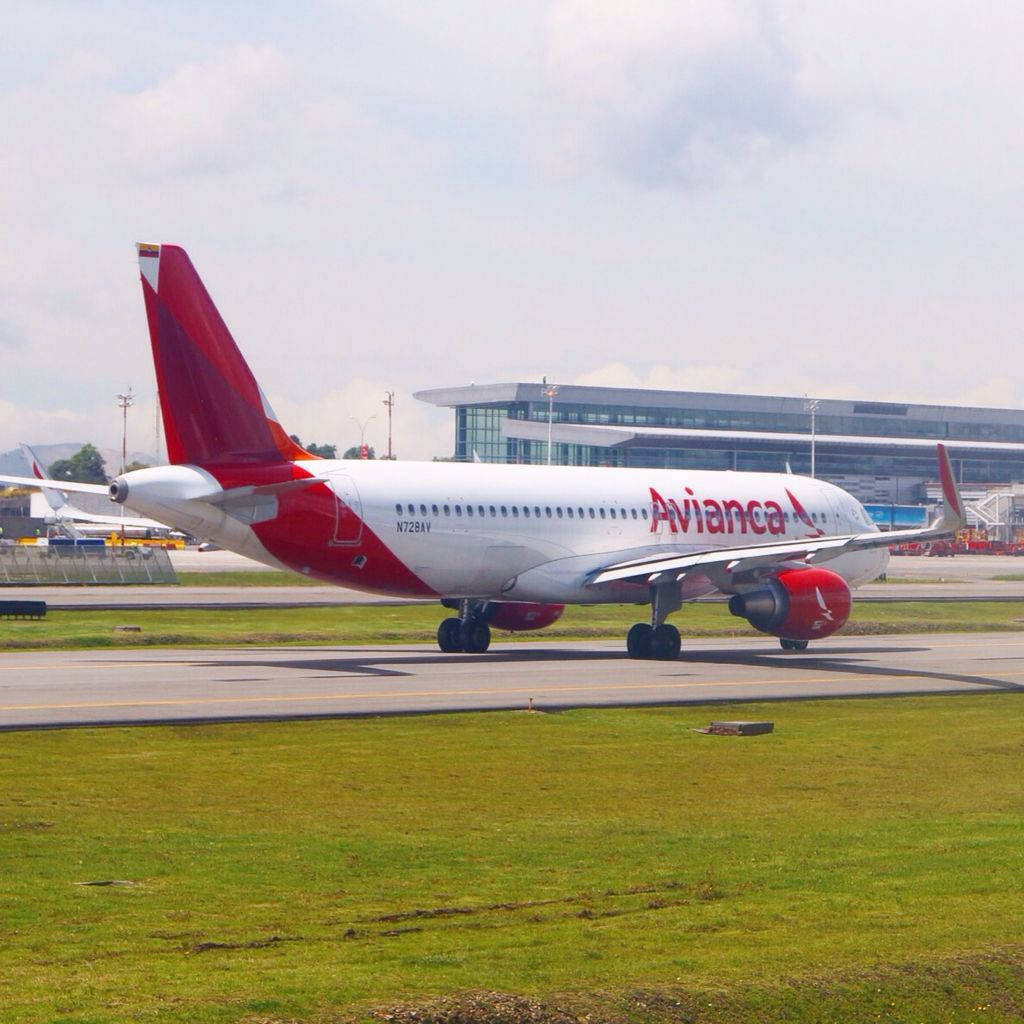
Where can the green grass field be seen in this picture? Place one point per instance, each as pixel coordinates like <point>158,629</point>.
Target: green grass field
<point>247,578</point>
<point>356,624</point>
<point>864,862</point>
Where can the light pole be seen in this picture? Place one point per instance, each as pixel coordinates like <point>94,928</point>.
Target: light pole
<point>549,391</point>
<point>363,453</point>
<point>125,400</point>
<point>812,405</point>
<point>389,401</point>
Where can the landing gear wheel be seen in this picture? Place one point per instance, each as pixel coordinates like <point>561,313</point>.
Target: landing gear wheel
<point>475,635</point>
<point>665,642</point>
<point>793,645</point>
<point>449,636</point>
<point>638,640</point>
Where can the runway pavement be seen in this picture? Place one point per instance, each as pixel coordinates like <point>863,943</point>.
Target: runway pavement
<point>148,686</point>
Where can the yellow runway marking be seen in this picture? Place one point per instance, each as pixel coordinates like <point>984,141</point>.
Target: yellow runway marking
<point>534,691</point>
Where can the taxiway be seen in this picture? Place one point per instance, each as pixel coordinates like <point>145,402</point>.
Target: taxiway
<point>150,686</point>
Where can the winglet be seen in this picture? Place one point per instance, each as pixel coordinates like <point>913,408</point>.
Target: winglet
<point>953,516</point>
<point>53,497</point>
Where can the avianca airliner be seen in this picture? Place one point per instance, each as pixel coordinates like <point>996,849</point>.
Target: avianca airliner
<point>501,546</point>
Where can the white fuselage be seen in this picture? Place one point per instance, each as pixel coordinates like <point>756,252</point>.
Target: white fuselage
<point>528,533</point>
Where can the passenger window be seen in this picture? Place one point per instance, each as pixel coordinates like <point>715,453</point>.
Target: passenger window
<point>433,509</point>
<point>633,511</point>
<point>469,510</point>
<point>601,512</point>
<point>398,509</point>
<point>526,511</point>
<point>480,509</point>
<point>494,511</point>
<point>643,513</point>
<point>591,513</point>
<point>547,511</point>
<point>447,511</point>
<point>458,510</point>
<point>580,512</point>
<point>611,512</point>
<point>558,511</point>
<point>504,511</point>
<point>412,510</point>
<point>515,511</point>
<point>536,511</point>
<point>568,512</point>
<point>423,510</point>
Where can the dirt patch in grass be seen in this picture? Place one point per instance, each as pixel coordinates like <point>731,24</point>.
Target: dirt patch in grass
<point>975,987</point>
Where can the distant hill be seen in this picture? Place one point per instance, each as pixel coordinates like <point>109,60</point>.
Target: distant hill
<point>12,463</point>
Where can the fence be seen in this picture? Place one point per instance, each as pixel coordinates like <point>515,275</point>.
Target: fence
<point>24,565</point>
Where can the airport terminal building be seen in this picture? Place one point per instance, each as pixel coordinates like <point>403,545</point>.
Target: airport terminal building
<point>878,451</point>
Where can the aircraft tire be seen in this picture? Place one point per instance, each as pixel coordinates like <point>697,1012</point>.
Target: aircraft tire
<point>793,645</point>
<point>475,636</point>
<point>638,640</point>
<point>449,636</point>
<point>665,643</point>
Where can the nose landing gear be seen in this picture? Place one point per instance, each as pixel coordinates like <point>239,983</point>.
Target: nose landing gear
<point>792,645</point>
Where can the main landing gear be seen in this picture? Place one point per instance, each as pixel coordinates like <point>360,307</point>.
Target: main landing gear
<point>792,645</point>
<point>659,641</point>
<point>469,633</point>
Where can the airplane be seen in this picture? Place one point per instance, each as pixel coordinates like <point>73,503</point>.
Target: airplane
<point>503,546</point>
<point>75,522</point>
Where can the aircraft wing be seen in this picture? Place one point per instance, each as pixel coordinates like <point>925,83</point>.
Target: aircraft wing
<point>57,485</point>
<point>811,549</point>
<point>76,515</point>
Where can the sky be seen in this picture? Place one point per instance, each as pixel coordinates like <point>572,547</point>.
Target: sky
<point>772,196</point>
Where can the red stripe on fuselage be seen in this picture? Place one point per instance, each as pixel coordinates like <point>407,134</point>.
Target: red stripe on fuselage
<point>302,534</point>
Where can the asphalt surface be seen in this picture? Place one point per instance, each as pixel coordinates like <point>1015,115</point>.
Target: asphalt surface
<point>96,687</point>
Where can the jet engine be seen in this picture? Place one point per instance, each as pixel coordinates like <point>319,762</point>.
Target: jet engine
<point>796,604</point>
<point>520,615</point>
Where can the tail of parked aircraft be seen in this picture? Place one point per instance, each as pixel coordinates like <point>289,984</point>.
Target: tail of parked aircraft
<point>54,498</point>
<point>214,412</point>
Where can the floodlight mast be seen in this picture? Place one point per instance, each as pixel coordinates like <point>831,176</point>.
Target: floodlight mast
<point>125,400</point>
<point>549,391</point>
<point>812,405</point>
<point>389,401</point>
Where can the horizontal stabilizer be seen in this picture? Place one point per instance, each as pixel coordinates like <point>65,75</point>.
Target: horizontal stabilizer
<point>247,493</point>
<point>64,485</point>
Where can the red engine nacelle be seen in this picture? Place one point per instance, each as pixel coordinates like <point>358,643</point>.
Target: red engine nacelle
<point>797,604</point>
<point>520,615</point>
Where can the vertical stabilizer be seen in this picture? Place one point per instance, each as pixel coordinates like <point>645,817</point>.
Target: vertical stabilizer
<point>213,409</point>
<point>54,498</point>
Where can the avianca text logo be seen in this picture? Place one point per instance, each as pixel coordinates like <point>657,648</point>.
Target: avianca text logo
<point>710,516</point>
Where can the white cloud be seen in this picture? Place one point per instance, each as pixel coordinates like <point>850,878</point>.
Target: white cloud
<point>723,378</point>
<point>674,94</point>
<point>213,116</point>
<point>419,431</point>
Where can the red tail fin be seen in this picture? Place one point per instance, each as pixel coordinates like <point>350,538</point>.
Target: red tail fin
<point>213,409</point>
